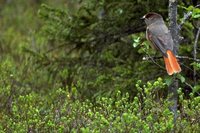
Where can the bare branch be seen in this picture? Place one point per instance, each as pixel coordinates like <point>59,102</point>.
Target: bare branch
<point>195,53</point>
<point>153,60</point>
<point>179,57</point>
<point>185,18</point>
<point>188,58</point>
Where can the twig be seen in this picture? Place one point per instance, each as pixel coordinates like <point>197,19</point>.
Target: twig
<point>179,57</point>
<point>195,53</point>
<point>188,58</point>
<point>153,60</point>
<point>152,57</point>
<point>187,67</point>
<point>185,18</point>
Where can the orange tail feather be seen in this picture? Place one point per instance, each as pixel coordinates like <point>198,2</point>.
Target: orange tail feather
<point>171,64</point>
<point>168,66</point>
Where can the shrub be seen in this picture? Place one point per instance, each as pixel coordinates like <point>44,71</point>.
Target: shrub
<point>146,112</point>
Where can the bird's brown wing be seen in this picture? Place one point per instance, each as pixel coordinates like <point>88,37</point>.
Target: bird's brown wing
<point>161,38</point>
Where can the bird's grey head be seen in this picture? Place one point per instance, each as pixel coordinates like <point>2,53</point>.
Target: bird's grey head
<point>152,17</point>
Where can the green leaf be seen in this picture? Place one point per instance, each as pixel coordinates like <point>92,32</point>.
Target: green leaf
<point>190,8</point>
<point>196,65</point>
<point>196,16</point>
<point>196,10</point>
<point>168,80</point>
<point>136,42</point>
<point>182,78</point>
<point>196,88</point>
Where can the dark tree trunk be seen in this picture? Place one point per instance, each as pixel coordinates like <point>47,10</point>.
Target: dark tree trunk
<point>173,27</point>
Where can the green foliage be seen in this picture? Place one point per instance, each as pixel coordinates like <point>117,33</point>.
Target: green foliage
<point>76,66</point>
<point>196,65</point>
<point>93,44</point>
<point>195,11</point>
<point>146,112</point>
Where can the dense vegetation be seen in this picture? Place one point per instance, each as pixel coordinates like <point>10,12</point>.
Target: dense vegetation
<point>85,66</point>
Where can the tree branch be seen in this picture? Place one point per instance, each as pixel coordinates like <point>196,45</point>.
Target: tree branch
<point>185,18</point>
<point>160,57</point>
<point>153,60</point>
<point>195,54</point>
<point>173,27</point>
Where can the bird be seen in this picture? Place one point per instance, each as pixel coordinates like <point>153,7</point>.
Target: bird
<point>161,39</point>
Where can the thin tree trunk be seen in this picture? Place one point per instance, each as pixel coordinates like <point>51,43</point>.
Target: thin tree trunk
<point>195,54</point>
<point>173,27</point>
<point>172,92</point>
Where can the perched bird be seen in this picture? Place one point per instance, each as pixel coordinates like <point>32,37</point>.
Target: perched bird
<point>160,37</point>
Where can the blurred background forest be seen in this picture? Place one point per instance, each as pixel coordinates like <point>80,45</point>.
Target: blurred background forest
<point>85,66</point>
